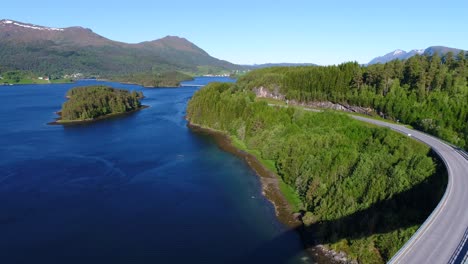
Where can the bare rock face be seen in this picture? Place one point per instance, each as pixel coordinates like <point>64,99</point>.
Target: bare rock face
<point>263,92</point>
<point>320,104</point>
<point>335,106</point>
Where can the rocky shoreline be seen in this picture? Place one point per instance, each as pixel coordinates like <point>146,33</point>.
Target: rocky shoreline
<point>270,189</point>
<point>269,181</point>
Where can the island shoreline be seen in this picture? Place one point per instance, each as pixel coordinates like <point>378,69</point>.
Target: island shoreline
<point>78,122</point>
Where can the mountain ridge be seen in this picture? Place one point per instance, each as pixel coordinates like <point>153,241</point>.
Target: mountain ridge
<point>60,51</point>
<point>403,55</point>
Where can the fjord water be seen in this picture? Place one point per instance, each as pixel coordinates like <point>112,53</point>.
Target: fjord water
<point>140,188</point>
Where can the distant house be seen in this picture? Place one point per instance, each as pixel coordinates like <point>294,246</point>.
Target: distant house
<point>40,78</point>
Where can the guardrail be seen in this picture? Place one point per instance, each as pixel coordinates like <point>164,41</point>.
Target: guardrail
<point>462,152</point>
<point>457,257</point>
<point>428,222</point>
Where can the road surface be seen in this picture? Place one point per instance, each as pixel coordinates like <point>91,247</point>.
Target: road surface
<point>443,236</point>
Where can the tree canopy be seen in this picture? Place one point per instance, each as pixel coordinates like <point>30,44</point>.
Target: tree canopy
<point>90,102</point>
<point>148,79</point>
<point>338,166</point>
<point>427,92</point>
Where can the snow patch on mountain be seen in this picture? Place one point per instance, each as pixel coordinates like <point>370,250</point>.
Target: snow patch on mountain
<point>10,22</point>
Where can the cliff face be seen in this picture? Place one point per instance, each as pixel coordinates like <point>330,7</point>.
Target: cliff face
<point>274,93</point>
<point>263,92</point>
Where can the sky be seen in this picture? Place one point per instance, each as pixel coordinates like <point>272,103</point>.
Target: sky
<point>257,31</point>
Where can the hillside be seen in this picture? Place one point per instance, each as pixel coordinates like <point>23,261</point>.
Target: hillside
<point>61,51</point>
<point>361,189</point>
<point>428,92</point>
<point>394,55</point>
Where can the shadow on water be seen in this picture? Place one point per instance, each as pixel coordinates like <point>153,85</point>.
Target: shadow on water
<point>403,210</point>
<point>274,251</point>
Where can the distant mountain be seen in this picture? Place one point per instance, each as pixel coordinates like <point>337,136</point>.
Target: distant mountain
<point>395,55</point>
<point>183,53</point>
<point>71,50</point>
<point>441,50</point>
<point>403,55</point>
<point>284,64</point>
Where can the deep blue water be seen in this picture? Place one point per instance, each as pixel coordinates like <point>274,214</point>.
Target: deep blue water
<point>142,188</point>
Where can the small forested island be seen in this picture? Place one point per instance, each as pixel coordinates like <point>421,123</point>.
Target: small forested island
<point>359,189</point>
<point>96,102</point>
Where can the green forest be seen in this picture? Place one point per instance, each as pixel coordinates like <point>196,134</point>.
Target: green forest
<point>363,190</point>
<point>91,102</point>
<point>148,79</point>
<point>428,92</point>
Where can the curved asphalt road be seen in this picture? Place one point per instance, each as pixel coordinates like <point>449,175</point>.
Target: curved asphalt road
<point>443,236</point>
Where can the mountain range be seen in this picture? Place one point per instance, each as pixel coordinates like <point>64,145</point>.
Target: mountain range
<point>403,55</point>
<point>59,51</point>
<point>66,51</point>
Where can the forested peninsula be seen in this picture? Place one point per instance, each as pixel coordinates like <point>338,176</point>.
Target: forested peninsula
<point>360,189</point>
<point>96,102</point>
<point>153,79</point>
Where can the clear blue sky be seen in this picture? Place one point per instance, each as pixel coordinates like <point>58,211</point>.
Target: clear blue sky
<point>258,31</point>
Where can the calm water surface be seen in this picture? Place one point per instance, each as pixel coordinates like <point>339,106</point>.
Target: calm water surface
<point>141,188</point>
